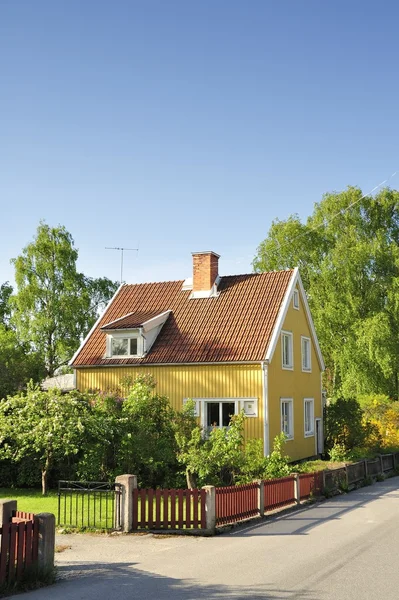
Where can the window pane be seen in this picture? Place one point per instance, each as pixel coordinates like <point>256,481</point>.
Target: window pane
<point>212,414</point>
<point>309,416</point>
<point>119,347</point>
<point>306,354</point>
<point>133,346</point>
<point>228,409</point>
<point>287,352</point>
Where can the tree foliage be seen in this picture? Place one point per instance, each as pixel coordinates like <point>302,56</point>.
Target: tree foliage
<point>45,426</point>
<point>5,307</point>
<point>55,305</point>
<point>348,430</point>
<point>348,256</point>
<point>18,363</point>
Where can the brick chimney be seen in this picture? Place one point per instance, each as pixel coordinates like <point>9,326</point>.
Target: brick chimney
<point>205,271</point>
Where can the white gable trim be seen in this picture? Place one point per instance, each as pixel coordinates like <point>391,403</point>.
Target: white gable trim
<point>95,325</point>
<point>295,281</point>
<point>311,324</point>
<point>156,321</point>
<point>281,316</point>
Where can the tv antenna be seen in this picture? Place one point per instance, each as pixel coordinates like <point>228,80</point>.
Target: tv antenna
<point>122,250</point>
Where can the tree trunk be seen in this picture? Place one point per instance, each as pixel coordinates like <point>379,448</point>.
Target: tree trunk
<point>191,480</point>
<point>44,482</point>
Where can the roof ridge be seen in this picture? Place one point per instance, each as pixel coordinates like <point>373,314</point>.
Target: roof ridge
<point>181,281</point>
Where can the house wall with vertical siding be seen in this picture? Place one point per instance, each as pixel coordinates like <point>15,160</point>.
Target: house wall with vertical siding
<point>294,384</point>
<point>189,381</point>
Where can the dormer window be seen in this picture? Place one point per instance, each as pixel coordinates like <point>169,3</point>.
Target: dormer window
<point>124,346</point>
<point>132,335</point>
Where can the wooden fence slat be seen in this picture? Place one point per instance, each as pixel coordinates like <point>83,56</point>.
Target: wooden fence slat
<point>143,506</point>
<point>5,543</point>
<point>189,499</point>
<point>135,508</point>
<point>157,509</point>
<point>28,543</point>
<point>173,509</point>
<point>180,508</point>
<point>20,549</point>
<point>12,551</point>
<point>150,508</point>
<point>165,509</point>
<point>195,509</point>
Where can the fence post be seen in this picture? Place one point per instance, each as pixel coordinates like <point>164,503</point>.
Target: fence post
<point>381,464</point>
<point>297,488</point>
<point>366,473</point>
<point>128,484</point>
<point>261,497</point>
<point>210,508</point>
<point>46,542</point>
<point>7,507</point>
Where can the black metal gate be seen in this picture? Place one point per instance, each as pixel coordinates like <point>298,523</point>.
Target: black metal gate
<point>89,504</point>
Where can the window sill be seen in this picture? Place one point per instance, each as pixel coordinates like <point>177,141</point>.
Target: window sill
<point>285,368</point>
<point>306,370</point>
<point>289,438</point>
<point>309,435</point>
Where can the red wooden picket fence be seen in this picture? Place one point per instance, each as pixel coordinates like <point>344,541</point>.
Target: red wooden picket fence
<point>279,492</point>
<point>169,509</point>
<point>18,547</point>
<point>311,484</point>
<point>236,502</point>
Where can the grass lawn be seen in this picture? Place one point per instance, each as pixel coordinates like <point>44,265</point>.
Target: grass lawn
<point>30,500</point>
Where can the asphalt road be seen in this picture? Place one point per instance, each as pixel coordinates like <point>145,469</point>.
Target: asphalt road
<point>344,548</point>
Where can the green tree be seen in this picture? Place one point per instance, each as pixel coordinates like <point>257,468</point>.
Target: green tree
<point>348,256</point>
<point>344,425</point>
<point>5,306</point>
<point>55,305</point>
<point>17,363</point>
<point>216,459</point>
<point>47,426</point>
<point>148,446</point>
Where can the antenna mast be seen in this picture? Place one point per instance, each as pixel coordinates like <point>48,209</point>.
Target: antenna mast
<point>121,250</point>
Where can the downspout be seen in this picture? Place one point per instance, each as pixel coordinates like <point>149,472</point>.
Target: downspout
<point>266,443</point>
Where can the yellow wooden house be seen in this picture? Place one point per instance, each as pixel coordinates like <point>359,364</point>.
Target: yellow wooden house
<point>231,343</point>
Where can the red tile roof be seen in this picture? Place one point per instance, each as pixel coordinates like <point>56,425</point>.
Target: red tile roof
<point>234,326</point>
<point>131,321</point>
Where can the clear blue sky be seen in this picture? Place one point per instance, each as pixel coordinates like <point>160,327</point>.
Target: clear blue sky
<point>188,125</point>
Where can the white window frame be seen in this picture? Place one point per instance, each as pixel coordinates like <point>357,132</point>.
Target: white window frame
<point>290,402</point>
<point>196,405</point>
<point>310,432</point>
<point>304,339</point>
<point>124,335</point>
<point>287,366</point>
<point>295,299</point>
<point>249,405</point>
<point>205,401</point>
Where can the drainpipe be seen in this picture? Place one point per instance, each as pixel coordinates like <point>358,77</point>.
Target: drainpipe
<point>266,446</point>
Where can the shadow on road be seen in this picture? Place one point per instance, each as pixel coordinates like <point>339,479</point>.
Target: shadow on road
<point>124,580</point>
<point>302,520</point>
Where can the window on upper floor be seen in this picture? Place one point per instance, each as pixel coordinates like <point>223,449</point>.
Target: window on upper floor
<point>309,416</point>
<point>287,417</point>
<point>123,346</point>
<point>306,354</point>
<point>287,350</point>
<point>295,299</point>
